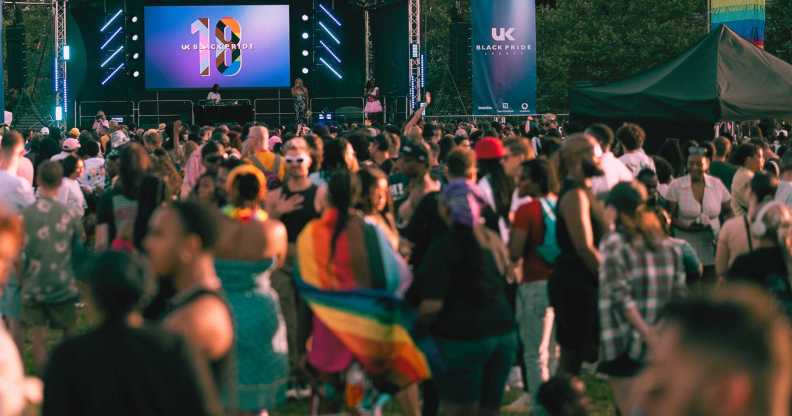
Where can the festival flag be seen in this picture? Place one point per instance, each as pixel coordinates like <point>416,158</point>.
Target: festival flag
<point>357,297</point>
<point>745,17</point>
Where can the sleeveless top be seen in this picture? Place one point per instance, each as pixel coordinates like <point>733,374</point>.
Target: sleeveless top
<point>296,220</point>
<point>569,258</point>
<point>222,369</point>
<point>260,344</point>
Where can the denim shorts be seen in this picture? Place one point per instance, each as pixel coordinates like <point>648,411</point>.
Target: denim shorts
<point>476,370</point>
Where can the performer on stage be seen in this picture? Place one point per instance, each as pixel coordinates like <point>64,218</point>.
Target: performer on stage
<point>373,107</point>
<point>300,94</point>
<point>214,94</point>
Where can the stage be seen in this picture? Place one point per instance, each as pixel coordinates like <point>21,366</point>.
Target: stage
<point>147,62</point>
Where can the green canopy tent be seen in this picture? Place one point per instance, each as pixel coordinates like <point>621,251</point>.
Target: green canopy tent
<point>722,78</point>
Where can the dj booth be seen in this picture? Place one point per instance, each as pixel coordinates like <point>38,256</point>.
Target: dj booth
<point>208,113</point>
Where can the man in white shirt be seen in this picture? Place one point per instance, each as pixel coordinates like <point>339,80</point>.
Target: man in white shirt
<point>93,178</point>
<point>69,148</point>
<point>632,137</point>
<point>784,192</point>
<point>15,195</point>
<point>16,192</point>
<point>614,169</point>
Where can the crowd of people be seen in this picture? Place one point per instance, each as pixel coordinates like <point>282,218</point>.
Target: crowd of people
<point>227,269</point>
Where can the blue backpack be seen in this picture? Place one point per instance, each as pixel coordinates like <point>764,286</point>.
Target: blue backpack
<point>549,250</point>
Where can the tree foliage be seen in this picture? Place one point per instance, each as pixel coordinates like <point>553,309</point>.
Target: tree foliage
<point>577,41</point>
<point>778,36</point>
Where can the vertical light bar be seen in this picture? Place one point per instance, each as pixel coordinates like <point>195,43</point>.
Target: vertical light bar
<point>118,13</point>
<point>66,53</point>
<point>58,113</point>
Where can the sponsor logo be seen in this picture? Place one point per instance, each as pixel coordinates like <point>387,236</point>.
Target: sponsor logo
<point>504,42</point>
<point>501,34</point>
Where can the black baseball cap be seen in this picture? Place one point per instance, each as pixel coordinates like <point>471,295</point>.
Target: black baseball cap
<point>415,150</point>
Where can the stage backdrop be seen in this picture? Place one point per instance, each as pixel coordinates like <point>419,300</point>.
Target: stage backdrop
<point>504,56</point>
<point>745,17</point>
<point>233,46</point>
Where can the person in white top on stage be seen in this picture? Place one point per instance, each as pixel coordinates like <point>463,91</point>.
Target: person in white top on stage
<point>214,94</point>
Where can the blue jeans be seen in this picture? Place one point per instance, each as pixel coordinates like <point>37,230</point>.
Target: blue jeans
<point>476,369</point>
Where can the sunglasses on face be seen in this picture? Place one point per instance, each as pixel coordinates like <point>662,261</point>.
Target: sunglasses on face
<point>295,160</point>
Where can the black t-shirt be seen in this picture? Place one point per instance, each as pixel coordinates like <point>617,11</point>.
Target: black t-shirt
<point>118,370</point>
<point>438,277</point>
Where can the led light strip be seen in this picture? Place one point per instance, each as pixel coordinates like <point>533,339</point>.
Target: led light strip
<point>330,51</point>
<point>112,73</point>
<point>110,39</point>
<point>329,14</point>
<point>329,33</point>
<point>331,68</point>
<point>118,13</point>
<point>111,56</point>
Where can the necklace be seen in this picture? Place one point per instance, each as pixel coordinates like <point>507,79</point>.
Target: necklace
<point>245,214</point>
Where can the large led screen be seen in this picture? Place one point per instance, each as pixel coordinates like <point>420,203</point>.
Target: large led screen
<point>231,45</point>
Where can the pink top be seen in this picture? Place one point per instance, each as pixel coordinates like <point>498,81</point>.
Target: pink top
<point>193,170</point>
<point>327,353</point>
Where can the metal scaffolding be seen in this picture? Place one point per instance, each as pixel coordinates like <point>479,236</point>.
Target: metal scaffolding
<point>368,42</point>
<point>415,58</point>
<point>59,11</point>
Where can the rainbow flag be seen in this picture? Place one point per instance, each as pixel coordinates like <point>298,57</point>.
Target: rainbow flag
<point>358,297</point>
<point>744,17</point>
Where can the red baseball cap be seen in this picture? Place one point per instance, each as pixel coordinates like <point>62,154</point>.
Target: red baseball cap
<point>489,148</point>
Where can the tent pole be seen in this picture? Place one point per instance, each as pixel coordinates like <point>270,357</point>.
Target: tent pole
<point>709,11</point>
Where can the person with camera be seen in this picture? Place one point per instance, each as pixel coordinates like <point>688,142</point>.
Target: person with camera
<point>100,122</point>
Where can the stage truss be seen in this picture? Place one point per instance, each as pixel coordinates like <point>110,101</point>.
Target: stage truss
<point>416,57</point>
<point>60,81</point>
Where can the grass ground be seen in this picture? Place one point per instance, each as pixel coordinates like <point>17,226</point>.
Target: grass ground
<point>597,389</point>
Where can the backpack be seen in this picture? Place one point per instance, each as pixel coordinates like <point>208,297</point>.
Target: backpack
<point>548,250</point>
<point>273,180</point>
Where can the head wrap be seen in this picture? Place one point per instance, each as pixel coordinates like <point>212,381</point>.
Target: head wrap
<point>247,169</point>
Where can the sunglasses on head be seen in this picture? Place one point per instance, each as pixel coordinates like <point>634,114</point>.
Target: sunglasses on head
<point>295,160</point>
<point>697,151</point>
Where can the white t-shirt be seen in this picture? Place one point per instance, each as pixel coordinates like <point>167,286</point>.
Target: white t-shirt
<point>94,175</point>
<point>214,96</point>
<point>70,195</point>
<point>636,161</point>
<point>25,169</point>
<point>784,193</point>
<point>615,172</point>
<point>15,193</point>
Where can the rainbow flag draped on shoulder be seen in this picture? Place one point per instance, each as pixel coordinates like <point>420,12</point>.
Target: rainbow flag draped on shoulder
<point>744,17</point>
<point>358,296</point>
